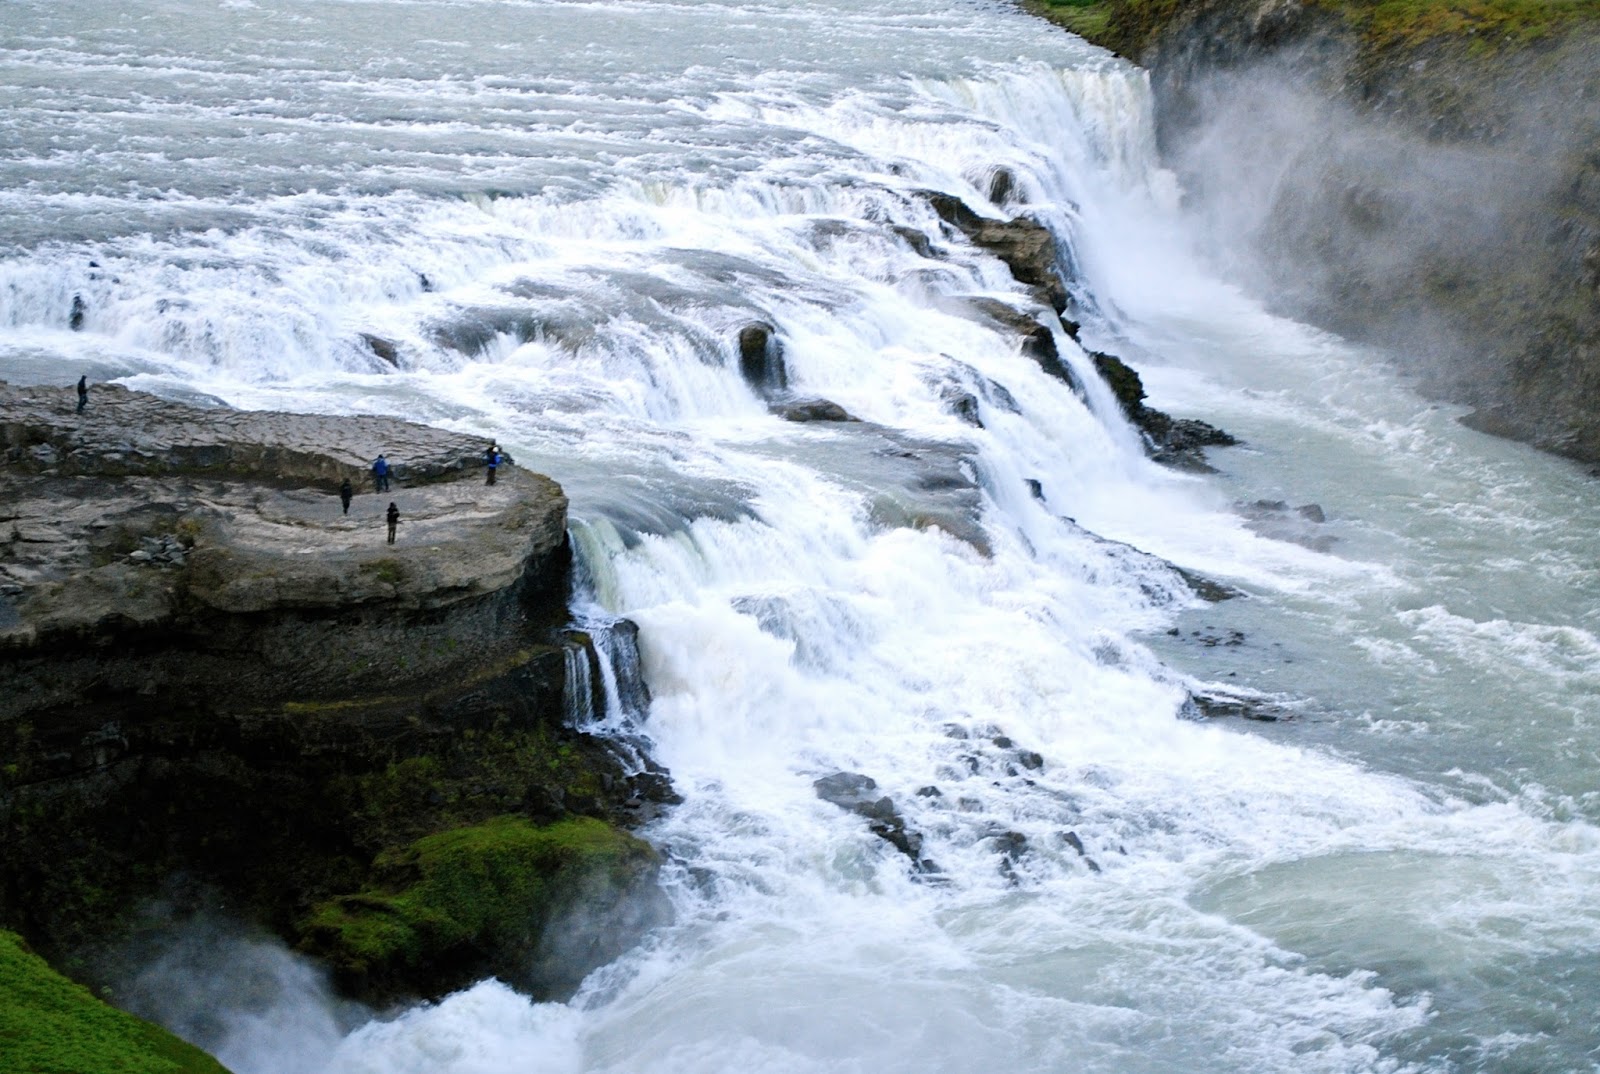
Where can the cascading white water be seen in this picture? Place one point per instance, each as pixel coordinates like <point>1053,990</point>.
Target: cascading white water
<point>562,214</point>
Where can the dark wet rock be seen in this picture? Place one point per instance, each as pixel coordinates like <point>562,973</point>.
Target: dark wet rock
<point>1035,338</point>
<point>382,348</point>
<point>916,240</point>
<point>79,310</point>
<point>930,791</point>
<point>621,638</point>
<point>1207,589</point>
<point>1277,520</point>
<point>963,404</point>
<point>1176,442</point>
<point>807,410</point>
<point>856,794</point>
<point>1002,742</point>
<point>1071,839</point>
<point>846,789</point>
<point>1215,705</point>
<point>999,185</point>
<point>1030,760</point>
<point>962,389</point>
<point>1012,844</point>
<point>1035,488</point>
<point>761,359</point>
<point>1026,246</point>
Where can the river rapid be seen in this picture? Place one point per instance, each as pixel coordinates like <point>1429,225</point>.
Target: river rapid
<point>561,214</point>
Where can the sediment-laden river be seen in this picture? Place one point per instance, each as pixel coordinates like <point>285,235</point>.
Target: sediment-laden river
<point>560,216</point>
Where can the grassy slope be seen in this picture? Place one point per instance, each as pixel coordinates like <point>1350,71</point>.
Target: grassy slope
<point>1128,26</point>
<point>49,1025</point>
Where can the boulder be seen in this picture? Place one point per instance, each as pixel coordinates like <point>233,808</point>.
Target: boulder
<point>855,793</point>
<point>1026,246</point>
<point>382,348</point>
<point>807,410</point>
<point>1178,442</point>
<point>761,359</point>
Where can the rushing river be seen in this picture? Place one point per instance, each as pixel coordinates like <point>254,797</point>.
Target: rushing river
<point>561,214</point>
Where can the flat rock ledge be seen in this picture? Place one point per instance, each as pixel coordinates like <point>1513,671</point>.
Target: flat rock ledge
<point>140,510</point>
<point>218,689</point>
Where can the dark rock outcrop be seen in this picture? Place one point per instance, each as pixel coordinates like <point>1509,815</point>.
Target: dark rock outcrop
<point>382,348</point>
<point>806,410</point>
<point>1026,246</point>
<point>1178,442</point>
<point>761,359</point>
<point>856,794</point>
<point>217,688</point>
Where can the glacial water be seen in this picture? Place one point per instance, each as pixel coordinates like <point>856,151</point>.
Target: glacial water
<point>561,214</point>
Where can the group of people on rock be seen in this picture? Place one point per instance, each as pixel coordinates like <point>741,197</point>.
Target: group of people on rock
<point>381,471</point>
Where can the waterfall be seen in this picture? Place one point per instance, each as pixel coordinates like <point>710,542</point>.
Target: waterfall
<point>578,689</point>
<point>564,218</point>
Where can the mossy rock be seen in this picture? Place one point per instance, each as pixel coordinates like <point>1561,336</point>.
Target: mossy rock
<point>50,1025</point>
<point>1483,27</point>
<point>538,906</point>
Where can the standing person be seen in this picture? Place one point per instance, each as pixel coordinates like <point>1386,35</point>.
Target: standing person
<point>380,474</point>
<point>346,494</point>
<point>83,392</point>
<point>491,461</point>
<point>394,520</point>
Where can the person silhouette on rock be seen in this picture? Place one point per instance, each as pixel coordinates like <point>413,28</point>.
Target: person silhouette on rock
<point>346,494</point>
<point>380,474</point>
<point>393,515</point>
<point>491,461</point>
<point>83,392</point>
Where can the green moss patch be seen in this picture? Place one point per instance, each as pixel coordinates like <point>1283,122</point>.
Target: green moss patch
<point>50,1025</point>
<point>473,896</point>
<point>1486,24</point>
<point>1129,26</point>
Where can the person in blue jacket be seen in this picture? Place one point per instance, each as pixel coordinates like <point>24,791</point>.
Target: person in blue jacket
<point>380,473</point>
<point>491,462</point>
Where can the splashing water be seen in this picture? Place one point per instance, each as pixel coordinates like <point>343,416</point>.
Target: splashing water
<point>560,215</point>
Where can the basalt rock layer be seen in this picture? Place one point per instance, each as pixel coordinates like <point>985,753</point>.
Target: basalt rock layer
<point>218,688</point>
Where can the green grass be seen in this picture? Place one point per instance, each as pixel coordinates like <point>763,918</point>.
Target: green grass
<point>50,1025</point>
<point>490,886</point>
<point>1485,24</point>
<point>1128,26</point>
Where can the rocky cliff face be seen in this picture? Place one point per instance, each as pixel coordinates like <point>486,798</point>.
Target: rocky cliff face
<point>217,687</point>
<point>1422,177</point>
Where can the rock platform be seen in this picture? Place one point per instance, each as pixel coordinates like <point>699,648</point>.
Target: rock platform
<point>218,690</point>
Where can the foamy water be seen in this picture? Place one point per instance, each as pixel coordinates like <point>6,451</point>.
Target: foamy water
<point>561,214</point>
